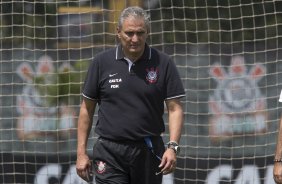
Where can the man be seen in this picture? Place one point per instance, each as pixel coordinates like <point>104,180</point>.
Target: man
<point>130,83</point>
<point>277,170</point>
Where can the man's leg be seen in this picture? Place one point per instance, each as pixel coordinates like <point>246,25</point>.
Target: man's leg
<point>108,164</point>
<point>145,168</point>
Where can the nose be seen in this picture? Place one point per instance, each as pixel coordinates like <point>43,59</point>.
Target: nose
<point>134,38</point>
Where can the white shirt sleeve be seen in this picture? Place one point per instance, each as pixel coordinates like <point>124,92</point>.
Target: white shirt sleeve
<point>280,99</point>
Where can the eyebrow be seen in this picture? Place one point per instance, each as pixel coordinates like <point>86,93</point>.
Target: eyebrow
<point>131,33</point>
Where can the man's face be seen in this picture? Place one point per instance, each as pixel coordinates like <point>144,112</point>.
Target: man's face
<point>133,35</point>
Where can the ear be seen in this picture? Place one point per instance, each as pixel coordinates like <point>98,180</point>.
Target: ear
<point>118,32</point>
<point>148,31</point>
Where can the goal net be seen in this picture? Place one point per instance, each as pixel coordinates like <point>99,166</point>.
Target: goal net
<point>228,54</point>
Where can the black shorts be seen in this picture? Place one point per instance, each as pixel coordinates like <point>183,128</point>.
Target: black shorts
<point>127,162</point>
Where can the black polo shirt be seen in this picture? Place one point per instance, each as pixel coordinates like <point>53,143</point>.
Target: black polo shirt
<point>131,101</point>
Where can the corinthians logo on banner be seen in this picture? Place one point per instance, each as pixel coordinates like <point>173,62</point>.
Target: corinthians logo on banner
<point>237,106</point>
<point>36,117</point>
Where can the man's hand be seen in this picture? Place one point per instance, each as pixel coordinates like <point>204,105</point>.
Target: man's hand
<point>84,167</point>
<point>277,172</point>
<point>168,163</point>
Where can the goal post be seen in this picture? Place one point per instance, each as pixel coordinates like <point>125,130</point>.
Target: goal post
<point>228,54</point>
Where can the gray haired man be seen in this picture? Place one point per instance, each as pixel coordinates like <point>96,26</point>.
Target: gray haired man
<point>130,83</point>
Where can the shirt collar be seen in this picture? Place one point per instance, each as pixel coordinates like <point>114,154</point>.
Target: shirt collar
<point>146,55</point>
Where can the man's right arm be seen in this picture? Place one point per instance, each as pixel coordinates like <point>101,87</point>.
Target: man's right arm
<point>85,119</point>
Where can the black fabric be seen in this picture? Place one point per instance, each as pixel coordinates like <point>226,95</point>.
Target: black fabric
<point>117,162</point>
<point>131,103</point>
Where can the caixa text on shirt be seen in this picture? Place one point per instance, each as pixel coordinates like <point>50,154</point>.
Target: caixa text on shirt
<point>114,82</point>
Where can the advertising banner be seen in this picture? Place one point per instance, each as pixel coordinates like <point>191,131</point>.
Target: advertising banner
<point>51,169</point>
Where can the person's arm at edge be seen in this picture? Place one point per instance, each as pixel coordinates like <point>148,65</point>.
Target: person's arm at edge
<point>85,120</point>
<point>277,169</point>
<point>175,122</point>
<point>278,153</point>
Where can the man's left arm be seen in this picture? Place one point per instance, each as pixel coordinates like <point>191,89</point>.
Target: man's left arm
<point>175,122</point>
<point>175,119</point>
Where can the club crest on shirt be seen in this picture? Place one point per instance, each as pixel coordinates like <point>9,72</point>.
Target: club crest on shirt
<point>101,167</point>
<point>152,75</point>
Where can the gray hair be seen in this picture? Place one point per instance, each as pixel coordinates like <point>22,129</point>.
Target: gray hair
<point>135,12</point>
